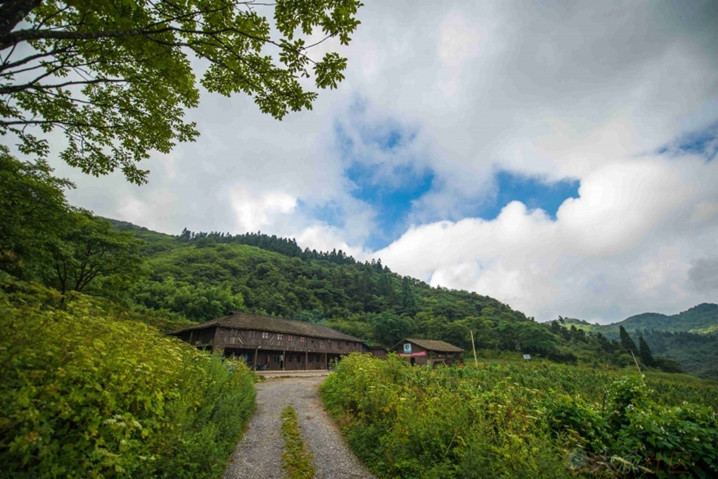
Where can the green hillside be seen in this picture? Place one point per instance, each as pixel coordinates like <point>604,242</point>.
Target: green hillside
<point>699,319</point>
<point>200,276</point>
<point>689,337</point>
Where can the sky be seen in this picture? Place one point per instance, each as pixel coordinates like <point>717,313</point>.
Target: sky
<point>558,156</point>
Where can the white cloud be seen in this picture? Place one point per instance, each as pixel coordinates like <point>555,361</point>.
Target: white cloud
<point>321,237</point>
<point>557,90</point>
<point>628,243</point>
<point>254,212</point>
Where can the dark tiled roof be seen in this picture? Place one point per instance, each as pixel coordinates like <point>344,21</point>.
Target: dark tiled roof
<point>434,345</point>
<point>257,322</point>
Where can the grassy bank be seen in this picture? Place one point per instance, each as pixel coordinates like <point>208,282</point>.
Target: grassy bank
<point>85,394</point>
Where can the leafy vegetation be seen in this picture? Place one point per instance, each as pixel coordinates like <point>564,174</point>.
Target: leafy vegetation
<point>522,420</point>
<point>116,77</point>
<point>297,459</point>
<point>92,392</point>
<point>47,240</point>
<point>91,387</point>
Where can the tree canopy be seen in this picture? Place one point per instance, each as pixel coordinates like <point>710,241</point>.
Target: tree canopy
<point>32,213</point>
<point>45,239</point>
<point>116,76</point>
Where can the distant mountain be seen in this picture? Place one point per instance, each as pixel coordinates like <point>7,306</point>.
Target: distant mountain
<point>689,337</point>
<point>701,319</point>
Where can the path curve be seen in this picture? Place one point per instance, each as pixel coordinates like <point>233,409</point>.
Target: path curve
<point>259,453</point>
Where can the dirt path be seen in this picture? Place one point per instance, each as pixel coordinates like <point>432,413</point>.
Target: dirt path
<point>259,454</point>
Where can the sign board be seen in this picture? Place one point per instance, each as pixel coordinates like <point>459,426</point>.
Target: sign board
<point>407,348</point>
<point>412,355</point>
<point>527,357</point>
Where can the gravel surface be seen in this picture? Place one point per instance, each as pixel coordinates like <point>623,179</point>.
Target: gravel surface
<point>259,453</point>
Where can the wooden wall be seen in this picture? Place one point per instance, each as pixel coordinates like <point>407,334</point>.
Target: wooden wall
<point>239,338</point>
<point>272,351</point>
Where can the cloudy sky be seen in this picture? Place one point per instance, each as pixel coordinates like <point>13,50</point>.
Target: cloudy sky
<point>558,156</point>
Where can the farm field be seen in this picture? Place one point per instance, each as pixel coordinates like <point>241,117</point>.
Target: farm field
<point>537,419</point>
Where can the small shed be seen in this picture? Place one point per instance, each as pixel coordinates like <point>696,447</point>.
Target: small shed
<point>429,351</point>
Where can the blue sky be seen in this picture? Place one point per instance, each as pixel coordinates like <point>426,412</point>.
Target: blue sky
<point>558,157</point>
<point>703,142</point>
<point>531,191</point>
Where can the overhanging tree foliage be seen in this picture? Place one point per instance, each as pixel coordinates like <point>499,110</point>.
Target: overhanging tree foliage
<point>116,77</point>
<point>44,239</point>
<point>33,211</point>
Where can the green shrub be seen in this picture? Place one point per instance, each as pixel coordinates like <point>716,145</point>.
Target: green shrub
<point>421,422</point>
<point>670,441</point>
<point>520,420</point>
<point>86,395</point>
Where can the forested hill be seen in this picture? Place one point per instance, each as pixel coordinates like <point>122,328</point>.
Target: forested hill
<point>699,319</point>
<point>200,276</point>
<point>204,275</point>
<point>689,337</point>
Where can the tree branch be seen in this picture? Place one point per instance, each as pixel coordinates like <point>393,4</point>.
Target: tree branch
<point>13,11</point>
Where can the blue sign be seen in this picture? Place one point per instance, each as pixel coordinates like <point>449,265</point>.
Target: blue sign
<point>407,348</point>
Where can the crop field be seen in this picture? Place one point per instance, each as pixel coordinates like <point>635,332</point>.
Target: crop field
<point>523,420</point>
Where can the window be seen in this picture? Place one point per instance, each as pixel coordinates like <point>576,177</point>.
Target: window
<point>280,337</point>
<point>290,338</point>
<point>302,339</point>
<point>265,335</point>
<point>252,334</point>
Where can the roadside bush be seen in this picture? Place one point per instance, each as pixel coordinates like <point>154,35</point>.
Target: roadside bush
<point>86,395</point>
<point>521,420</point>
<point>431,423</point>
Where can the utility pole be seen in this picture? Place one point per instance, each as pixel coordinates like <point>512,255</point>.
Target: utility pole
<point>473,346</point>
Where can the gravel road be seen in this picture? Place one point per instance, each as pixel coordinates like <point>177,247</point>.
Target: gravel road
<point>259,453</point>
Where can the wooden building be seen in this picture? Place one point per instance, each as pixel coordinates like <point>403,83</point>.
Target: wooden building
<point>376,351</point>
<point>428,351</point>
<point>269,343</point>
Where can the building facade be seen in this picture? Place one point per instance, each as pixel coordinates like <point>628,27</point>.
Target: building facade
<point>268,343</point>
<point>428,351</point>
